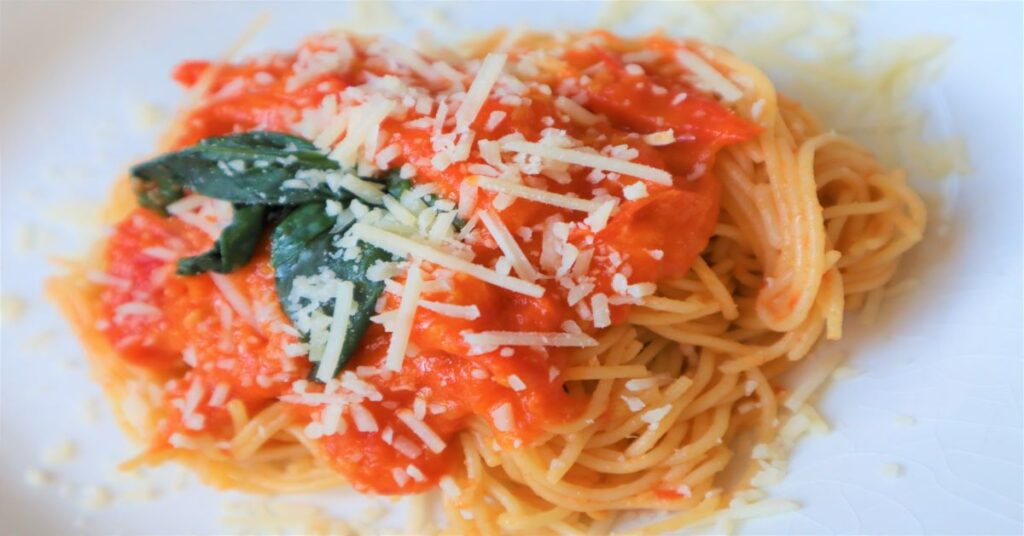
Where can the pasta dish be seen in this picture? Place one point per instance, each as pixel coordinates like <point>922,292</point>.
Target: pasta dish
<point>556,276</point>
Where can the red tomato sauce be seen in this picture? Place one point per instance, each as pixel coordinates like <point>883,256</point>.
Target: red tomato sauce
<point>191,331</point>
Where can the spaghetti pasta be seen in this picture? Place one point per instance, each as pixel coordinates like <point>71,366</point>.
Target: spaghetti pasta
<point>810,226</point>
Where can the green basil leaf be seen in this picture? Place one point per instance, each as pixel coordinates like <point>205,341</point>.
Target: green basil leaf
<point>156,186</point>
<point>396,185</point>
<point>303,252</point>
<point>233,248</point>
<point>253,168</point>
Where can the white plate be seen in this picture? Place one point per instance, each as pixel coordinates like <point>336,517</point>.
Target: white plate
<point>948,354</point>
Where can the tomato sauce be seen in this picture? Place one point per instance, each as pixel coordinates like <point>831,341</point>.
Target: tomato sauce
<point>188,328</point>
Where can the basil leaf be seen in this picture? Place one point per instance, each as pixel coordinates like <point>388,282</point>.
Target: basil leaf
<point>250,168</point>
<point>396,185</point>
<point>156,186</point>
<point>303,252</point>
<point>233,248</point>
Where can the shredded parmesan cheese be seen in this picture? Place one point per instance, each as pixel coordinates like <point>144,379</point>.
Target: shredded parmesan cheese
<point>658,139</point>
<point>581,158</point>
<point>406,314</point>
<point>478,91</point>
<point>467,198</point>
<point>365,422</point>
<point>343,305</point>
<point>234,297</point>
<point>516,383</point>
<point>536,194</point>
<point>600,310</point>
<point>502,417</point>
<point>528,338</point>
<point>576,111</point>
<point>422,431</point>
<point>508,245</point>
<point>468,312</point>
<point>709,76</point>
<point>400,245</point>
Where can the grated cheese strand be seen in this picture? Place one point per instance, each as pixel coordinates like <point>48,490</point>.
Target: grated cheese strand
<point>528,338</point>
<point>478,91</point>
<point>576,111</point>
<point>343,302</point>
<point>400,245</point>
<point>235,299</point>
<point>707,74</point>
<point>538,195</point>
<point>370,115</point>
<point>403,323</point>
<point>508,245</point>
<point>580,158</point>
<point>468,312</point>
<point>422,431</point>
